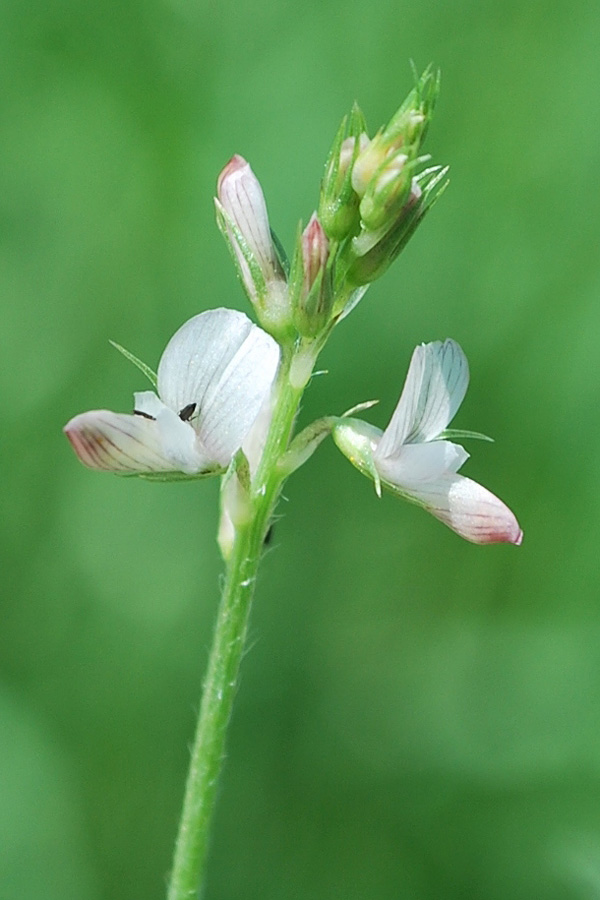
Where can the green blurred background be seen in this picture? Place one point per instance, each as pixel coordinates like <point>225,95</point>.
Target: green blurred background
<point>418,718</point>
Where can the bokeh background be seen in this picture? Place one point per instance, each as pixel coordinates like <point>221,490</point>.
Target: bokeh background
<point>418,718</point>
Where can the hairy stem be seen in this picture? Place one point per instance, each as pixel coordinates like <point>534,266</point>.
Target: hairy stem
<point>220,684</point>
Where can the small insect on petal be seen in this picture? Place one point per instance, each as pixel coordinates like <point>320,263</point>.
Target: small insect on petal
<point>187,412</point>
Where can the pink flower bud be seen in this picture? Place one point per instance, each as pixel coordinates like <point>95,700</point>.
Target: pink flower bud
<point>315,251</point>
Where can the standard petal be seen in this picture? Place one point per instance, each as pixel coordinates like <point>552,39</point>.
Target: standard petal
<point>421,462</point>
<point>225,365</point>
<point>467,508</point>
<point>135,445</point>
<point>435,387</point>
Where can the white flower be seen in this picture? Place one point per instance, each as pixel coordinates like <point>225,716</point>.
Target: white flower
<point>213,378</point>
<point>412,458</point>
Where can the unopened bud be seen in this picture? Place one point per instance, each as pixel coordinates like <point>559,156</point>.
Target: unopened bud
<point>367,164</point>
<point>244,222</point>
<point>387,192</point>
<point>315,250</point>
<point>383,172</point>
<point>374,251</point>
<point>338,206</point>
<point>312,275</point>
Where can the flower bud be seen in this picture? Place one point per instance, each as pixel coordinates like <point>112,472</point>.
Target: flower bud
<point>338,206</point>
<point>385,177</point>
<point>372,252</point>
<point>244,222</point>
<point>315,250</point>
<point>387,192</point>
<point>312,277</point>
<point>404,132</point>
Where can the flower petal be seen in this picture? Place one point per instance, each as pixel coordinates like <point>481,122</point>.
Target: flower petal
<point>467,508</point>
<point>243,200</point>
<point>421,462</point>
<point>146,403</point>
<point>134,445</point>
<point>225,365</point>
<point>435,386</point>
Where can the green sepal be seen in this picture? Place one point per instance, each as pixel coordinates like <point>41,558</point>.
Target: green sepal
<point>241,467</point>
<point>282,256</point>
<point>173,476</point>
<point>348,301</point>
<point>235,491</point>
<point>421,100</point>
<point>150,375</point>
<point>375,251</point>
<point>360,407</point>
<point>312,313</point>
<point>238,466</point>
<point>227,225</point>
<point>355,439</point>
<point>338,204</point>
<point>385,197</point>
<point>457,434</point>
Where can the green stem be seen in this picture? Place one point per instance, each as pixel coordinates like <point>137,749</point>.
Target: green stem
<point>220,685</point>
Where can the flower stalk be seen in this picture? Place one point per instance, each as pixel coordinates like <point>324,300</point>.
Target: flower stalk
<point>220,685</point>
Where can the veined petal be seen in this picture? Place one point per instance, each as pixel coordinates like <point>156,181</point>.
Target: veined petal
<point>435,387</point>
<point>242,198</point>
<point>466,507</point>
<point>225,365</point>
<point>421,462</point>
<point>135,445</point>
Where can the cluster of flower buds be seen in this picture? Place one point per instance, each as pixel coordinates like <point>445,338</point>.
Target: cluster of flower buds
<point>374,193</point>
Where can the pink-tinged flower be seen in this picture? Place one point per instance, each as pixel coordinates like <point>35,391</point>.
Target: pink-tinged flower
<point>413,458</point>
<point>243,219</point>
<point>213,379</point>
